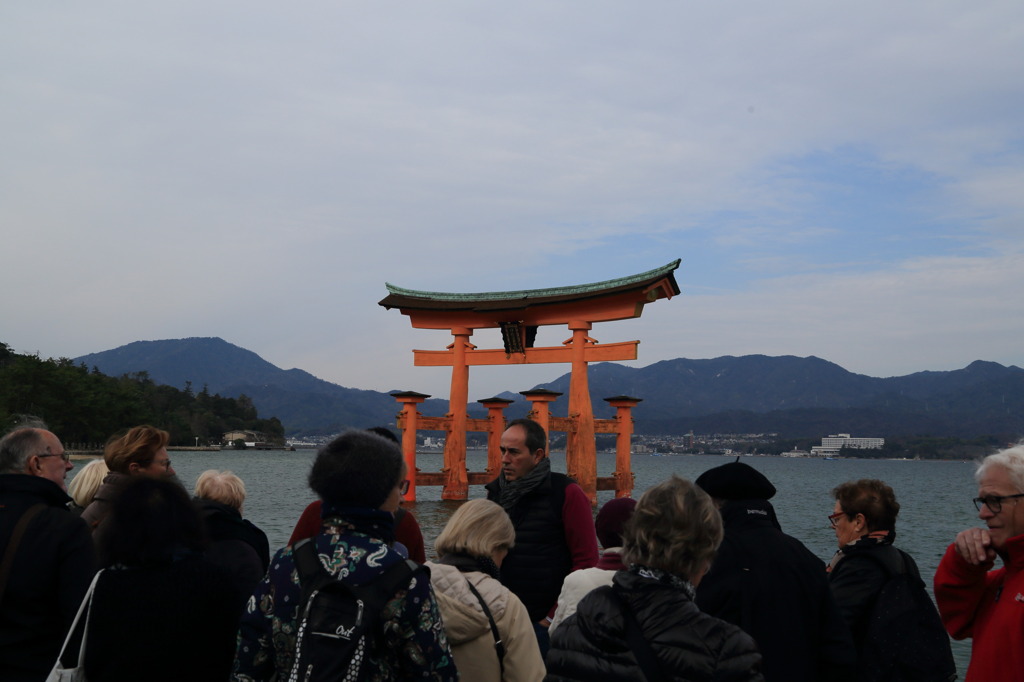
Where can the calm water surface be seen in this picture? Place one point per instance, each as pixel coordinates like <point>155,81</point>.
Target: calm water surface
<point>934,496</point>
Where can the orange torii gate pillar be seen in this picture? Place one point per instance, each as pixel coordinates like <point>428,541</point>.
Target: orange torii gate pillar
<point>540,410</point>
<point>407,422</point>
<point>624,431</point>
<point>496,426</point>
<point>519,314</point>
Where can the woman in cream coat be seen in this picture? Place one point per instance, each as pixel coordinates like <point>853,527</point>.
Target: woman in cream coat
<point>474,603</point>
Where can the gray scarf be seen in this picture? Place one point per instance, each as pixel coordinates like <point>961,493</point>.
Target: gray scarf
<point>513,491</point>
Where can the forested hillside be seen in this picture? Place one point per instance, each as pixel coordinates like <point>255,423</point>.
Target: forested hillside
<point>790,396</point>
<point>86,407</point>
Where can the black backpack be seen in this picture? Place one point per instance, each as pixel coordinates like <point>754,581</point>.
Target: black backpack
<point>905,640</point>
<point>338,621</point>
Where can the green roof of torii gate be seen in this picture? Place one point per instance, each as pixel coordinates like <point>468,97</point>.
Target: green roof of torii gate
<point>504,300</point>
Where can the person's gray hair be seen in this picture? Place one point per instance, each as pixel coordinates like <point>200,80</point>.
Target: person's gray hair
<point>17,446</point>
<point>1011,459</point>
<point>221,486</point>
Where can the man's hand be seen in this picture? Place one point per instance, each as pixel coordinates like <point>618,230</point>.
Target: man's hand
<point>974,545</point>
<point>544,622</point>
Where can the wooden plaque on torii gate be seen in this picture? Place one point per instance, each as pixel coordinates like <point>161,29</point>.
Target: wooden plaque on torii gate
<point>518,314</point>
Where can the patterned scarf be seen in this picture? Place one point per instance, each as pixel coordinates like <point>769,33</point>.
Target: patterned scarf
<point>879,537</point>
<point>513,491</point>
<point>670,579</point>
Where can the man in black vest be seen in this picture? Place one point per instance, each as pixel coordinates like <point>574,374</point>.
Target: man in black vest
<point>48,549</point>
<point>553,521</point>
<point>772,586</point>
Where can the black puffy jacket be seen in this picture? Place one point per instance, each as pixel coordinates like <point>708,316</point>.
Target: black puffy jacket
<point>690,646</point>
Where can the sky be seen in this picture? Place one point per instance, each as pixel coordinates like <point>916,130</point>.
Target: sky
<point>839,180</point>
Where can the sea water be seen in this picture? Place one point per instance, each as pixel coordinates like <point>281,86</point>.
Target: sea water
<point>934,496</point>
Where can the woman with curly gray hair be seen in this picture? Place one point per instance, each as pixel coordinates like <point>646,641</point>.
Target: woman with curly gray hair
<point>646,625</point>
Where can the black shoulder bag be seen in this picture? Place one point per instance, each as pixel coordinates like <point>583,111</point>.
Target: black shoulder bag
<point>499,646</point>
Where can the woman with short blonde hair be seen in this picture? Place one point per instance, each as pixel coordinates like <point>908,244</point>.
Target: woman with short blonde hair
<point>86,482</point>
<point>476,530</point>
<point>489,630</point>
<point>235,543</point>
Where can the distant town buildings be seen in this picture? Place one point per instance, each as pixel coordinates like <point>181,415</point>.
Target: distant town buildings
<point>643,444</point>
<point>831,445</point>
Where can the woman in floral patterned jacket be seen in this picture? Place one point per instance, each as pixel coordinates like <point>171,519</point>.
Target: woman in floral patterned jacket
<point>361,478</point>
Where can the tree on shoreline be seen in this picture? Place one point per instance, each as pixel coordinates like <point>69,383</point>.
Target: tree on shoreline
<point>84,406</point>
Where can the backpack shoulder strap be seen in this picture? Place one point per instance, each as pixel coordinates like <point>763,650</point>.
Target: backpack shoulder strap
<point>312,574</point>
<point>645,656</point>
<point>394,577</point>
<point>896,563</point>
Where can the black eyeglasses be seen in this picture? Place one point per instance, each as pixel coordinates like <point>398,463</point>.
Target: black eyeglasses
<point>403,487</point>
<point>66,456</point>
<point>994,502</point>
<point>833,519</point>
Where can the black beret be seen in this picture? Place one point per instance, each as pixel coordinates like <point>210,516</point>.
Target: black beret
<point>736,481</point>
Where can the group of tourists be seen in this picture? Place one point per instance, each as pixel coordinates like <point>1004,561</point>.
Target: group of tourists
<point>126,576</point>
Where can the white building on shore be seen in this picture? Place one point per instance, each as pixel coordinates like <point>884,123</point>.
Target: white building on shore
<point>831,445</point>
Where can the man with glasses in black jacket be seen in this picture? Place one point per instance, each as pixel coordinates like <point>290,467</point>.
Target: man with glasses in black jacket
<point>46,553</point>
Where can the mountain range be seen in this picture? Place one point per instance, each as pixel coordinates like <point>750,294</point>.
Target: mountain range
<point>792,396</point>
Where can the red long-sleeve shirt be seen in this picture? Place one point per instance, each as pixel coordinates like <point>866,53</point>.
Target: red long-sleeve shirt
<point>987,606</point>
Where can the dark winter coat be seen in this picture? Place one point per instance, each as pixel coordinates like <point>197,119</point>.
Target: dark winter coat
<point>103,501</point>
<point>163,624</point>
<point>236,544</point>
<point>689,645</point>
<point>857,579</point>
<point>776,590</point>
<point>52,569</point>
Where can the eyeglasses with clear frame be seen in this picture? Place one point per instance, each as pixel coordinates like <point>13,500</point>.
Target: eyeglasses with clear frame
<point>66,456</point>
<point>994,502</point>
<point>833,519</point>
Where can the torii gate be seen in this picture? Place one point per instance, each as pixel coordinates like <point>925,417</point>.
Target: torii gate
<point>518,314</point>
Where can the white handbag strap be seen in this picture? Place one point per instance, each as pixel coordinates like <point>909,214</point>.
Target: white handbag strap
<point>86,602</point>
